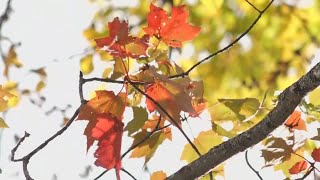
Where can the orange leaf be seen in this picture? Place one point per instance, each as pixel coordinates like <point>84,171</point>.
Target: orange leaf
<point>119,37</point>
<point>158,175</point>
<point>298,167</point>
<point>173,101</point>
<point>316,154</point>
<point>295,122</point>
<point>171,30</point>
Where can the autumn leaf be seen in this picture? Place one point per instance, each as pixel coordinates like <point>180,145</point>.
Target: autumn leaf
<point>298,167</point>
<point>316,154</point>
<point>3,123</point>
<point>204,142</point>
<point>11,60</point>
<point>172,30</point>
<point>108,131</point>
<point>120,44</point>
<point>171,97</point>
<point>86,64</point>
<point>158,175</point>
<point>5,98</point>
<point>295,122</point>
<point>149,146</point>
<point>140,116</point>
<point>277,149</point>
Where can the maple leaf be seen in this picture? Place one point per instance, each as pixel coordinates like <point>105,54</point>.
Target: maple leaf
<point>120,44</point>
<point>277,150</point>
<point>316,154</point>
<point>105,112</point>
<point>171,97</point>
<point>171,30</point>
<point>295,122</point>
<point>109,132</point>
<point>298,167</point>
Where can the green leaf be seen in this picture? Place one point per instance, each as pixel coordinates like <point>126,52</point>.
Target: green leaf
<point>204,142</point>
<point>140,116</point>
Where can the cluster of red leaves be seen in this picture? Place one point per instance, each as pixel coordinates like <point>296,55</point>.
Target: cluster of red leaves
<point>105,111</point>
<point>302,165</point>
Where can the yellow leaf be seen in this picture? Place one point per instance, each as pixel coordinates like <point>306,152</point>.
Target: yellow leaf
<point>40,86</point>
<point>86,64</point>
<point>106,72</point>
<point>11,59</point>
<point>158,175</point>
<point>3,124</point>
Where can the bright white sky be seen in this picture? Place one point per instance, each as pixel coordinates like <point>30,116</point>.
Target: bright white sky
<point>50,32</point>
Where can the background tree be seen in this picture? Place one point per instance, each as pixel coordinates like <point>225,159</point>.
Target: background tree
<point>276,42</point>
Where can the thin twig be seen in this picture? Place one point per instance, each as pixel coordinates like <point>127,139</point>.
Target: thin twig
<point>254,7</point>
<point>122,169</point>
<point>100,175</point>
<point>226,47</point>
<point>25,160</point>
<point>255,171</point>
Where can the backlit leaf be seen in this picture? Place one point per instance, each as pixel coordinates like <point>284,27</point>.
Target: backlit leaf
<point>295,122</point>
<point>158,175</point>
<point>86,64</point>
<point>3,123</point>
<point>316,154</point>
<point>40,86</point>
<point>140,116</point>
<point>298,167</point>
<point>172,30</point>
<point>204,142</point>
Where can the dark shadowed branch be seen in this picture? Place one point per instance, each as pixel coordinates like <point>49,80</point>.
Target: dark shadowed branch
<point>288,100</point>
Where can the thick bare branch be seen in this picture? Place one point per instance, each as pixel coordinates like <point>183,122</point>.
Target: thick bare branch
<point>288,100</point>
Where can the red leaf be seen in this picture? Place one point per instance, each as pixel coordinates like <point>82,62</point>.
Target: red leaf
<point>298,167</point>
<point>105,112</point>
<point>171,30</point>
<point>118,41</point>
<point>109,132</point>
<point>316,154</point>
<point>295,122</point>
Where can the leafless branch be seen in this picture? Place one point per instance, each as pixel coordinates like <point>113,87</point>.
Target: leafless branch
<point>127,172</point>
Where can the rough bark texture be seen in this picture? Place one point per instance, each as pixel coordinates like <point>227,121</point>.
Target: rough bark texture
<point>287,102</point>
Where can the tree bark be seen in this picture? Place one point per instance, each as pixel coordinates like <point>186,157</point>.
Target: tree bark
<point>288,100</point>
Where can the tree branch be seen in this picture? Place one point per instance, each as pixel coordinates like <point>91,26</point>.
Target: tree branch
<point>288,100</point>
